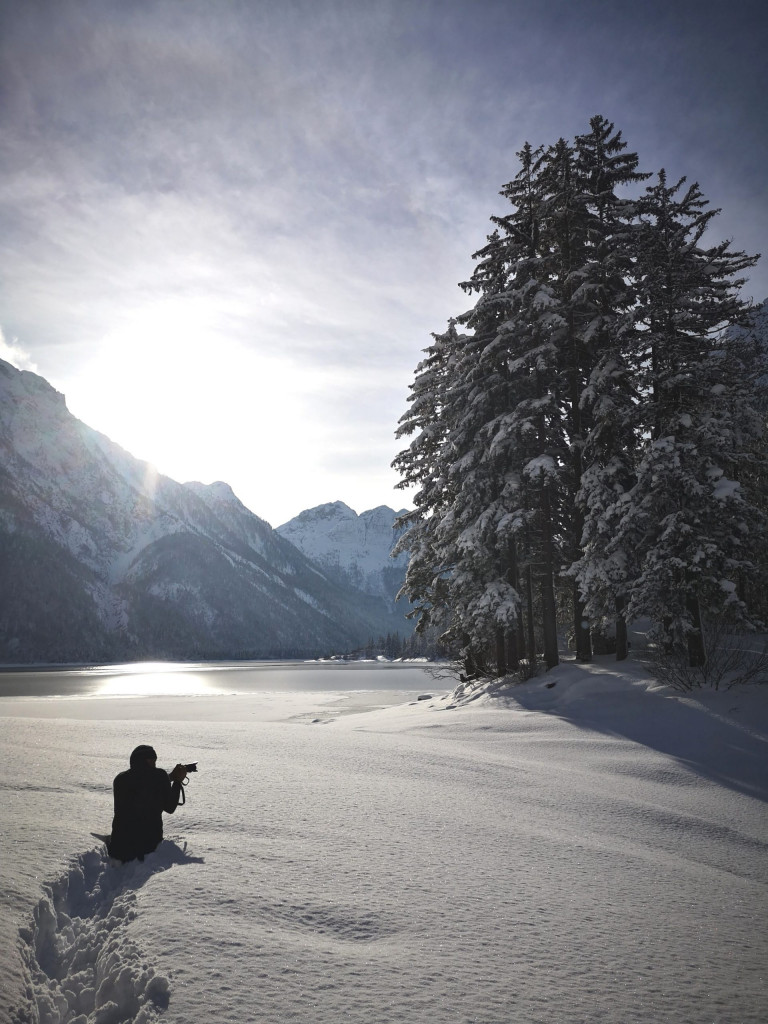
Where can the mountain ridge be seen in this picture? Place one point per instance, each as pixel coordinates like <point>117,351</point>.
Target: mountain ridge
<point>354,549</point>
<point>103,558</point>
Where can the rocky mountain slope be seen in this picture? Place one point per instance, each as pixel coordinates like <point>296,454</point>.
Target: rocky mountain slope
<point>103,559</point>
<point>354,549</point>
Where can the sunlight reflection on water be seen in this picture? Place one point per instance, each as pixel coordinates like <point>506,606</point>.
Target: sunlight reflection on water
<point>153,684</point>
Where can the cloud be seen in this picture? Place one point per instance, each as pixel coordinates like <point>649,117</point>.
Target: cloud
<point>14,354</point>
<point>289,192</point>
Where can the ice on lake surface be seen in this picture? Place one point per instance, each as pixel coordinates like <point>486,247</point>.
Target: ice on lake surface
<point>592,851</point>
<point>187,679</point>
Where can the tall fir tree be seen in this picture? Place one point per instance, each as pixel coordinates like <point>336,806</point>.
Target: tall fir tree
<point>420,467</point>
<point>602,403</point>
<point>689,519</point>
<point>524,438</point>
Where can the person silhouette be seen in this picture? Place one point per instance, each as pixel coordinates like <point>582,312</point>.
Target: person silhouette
<point>141,795</point>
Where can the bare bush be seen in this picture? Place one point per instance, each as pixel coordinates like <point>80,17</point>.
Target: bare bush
<point>732,659</point>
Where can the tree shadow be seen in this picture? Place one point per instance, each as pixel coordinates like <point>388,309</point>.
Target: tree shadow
<point>721,743</point>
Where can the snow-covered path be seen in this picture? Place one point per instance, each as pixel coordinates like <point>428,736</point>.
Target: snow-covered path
<point>512,861</point>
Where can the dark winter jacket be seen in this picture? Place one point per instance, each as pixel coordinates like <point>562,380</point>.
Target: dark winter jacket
<point>141,795</point>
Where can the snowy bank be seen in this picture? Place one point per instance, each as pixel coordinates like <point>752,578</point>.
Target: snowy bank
<point>721,735</point>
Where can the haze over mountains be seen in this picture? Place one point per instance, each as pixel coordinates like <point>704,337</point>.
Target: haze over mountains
<point>103,559</point>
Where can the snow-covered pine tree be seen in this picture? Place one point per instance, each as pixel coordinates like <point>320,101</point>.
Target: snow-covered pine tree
<point>452,577</point>
<point>420,466</point>
<point>482,594</point>
<point>604,568</point>
<point>511,423</point>
<point>481,526</point>
<point>485,590</point>
<point>689,519</point>
<point>597,390</point>
<point>602,409</point>
<point>525,439</point>
<point>750,341</point>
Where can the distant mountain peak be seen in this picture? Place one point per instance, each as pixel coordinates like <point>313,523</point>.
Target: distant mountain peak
<point>383,513</point>
<point>356,549</point>
<point>217,491</point>
<point>329,510</point>
<point>335,511</point>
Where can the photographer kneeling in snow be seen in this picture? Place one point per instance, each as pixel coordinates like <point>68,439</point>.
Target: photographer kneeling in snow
<point>141,795</point>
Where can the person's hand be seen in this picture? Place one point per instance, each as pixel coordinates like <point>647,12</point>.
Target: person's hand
<point>179,773</point>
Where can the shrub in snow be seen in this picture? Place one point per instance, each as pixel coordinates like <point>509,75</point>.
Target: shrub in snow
<point>732,659</point>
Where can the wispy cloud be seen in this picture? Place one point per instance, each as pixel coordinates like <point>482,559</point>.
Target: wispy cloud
<point>294,190</point>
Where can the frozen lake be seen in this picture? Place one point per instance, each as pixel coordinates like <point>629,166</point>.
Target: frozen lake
<point>148,679</point>
<point>592,851</point>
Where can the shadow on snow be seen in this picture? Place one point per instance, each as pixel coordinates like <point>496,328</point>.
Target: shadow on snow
<point>717,735</point>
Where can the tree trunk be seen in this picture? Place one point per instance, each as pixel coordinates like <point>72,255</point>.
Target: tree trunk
<point>501,653</point>
<point>581,627</point>
<point>622,642</point>
<point>549,615</point>
<point>520,635</point>
<point>548,605</point>
<point>513,650</point>
<point>697,655</point>
<point>531,646</point>
<point>515,638</point>
<point>470,665</point>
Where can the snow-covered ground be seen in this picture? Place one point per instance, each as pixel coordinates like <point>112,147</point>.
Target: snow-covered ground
<point>593,850</point>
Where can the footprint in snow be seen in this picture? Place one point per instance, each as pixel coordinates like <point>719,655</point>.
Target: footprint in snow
<point>80,962</point>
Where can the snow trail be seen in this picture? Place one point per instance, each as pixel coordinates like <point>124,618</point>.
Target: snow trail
<point>81,964</point>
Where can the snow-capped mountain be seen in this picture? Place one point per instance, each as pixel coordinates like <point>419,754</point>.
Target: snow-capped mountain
<point>102,558</point>
<point>355,549</point>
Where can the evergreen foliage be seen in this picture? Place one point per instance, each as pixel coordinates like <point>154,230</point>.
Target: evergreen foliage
<point>394,647</point>
<point>591,439</point>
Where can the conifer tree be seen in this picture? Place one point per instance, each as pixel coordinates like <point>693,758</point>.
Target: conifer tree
<point>420,466</point>
<point>689,518</point>
<point>602,411</point>
<point>585,426</point>
<point>522,435</point>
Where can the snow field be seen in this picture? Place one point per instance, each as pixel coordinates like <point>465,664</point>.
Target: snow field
<point>519,860</point>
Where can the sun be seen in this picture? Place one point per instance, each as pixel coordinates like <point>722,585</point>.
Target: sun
<point>184,384</point>
<point>173,390</point>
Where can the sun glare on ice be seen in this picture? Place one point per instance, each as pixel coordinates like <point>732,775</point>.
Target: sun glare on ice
<point>148,679</point>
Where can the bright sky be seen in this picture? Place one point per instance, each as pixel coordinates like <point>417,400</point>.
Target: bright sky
<point>229,228</point>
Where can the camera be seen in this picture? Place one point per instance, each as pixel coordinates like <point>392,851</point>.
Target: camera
<point>191,767</point>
